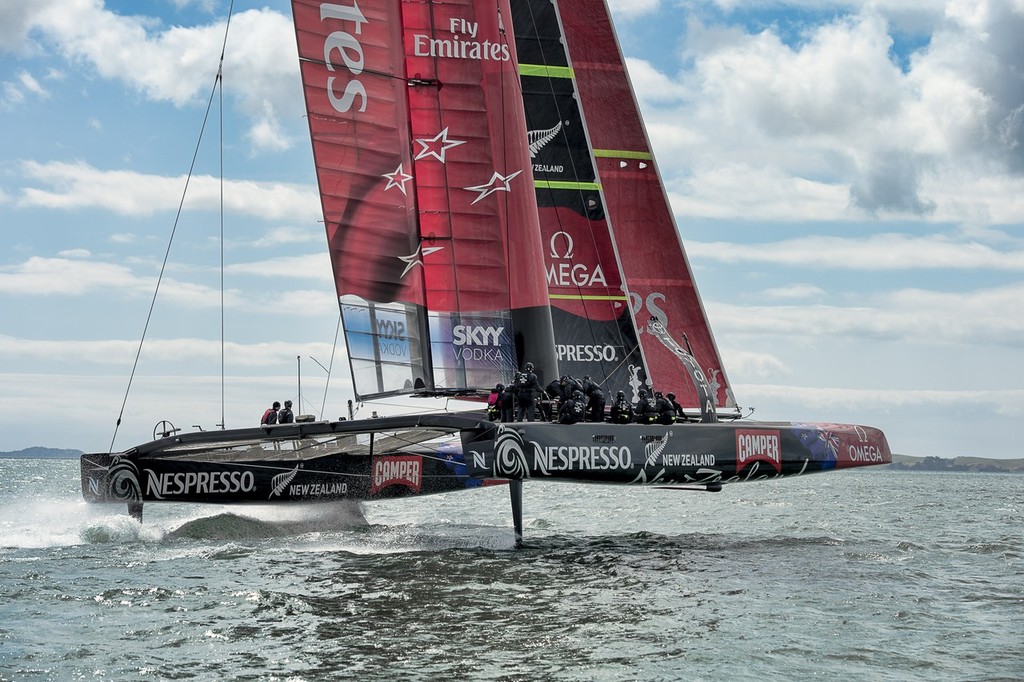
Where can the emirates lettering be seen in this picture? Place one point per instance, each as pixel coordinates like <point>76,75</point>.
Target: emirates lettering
<point>581,458</point>
<point>199,482</point>
<point>469,335</point>
<point>457,48</point>
<point>758,444</point>
<point>575,275</point>
<point>585,353</point>
<point>865,453</point>
<point>346,46</point>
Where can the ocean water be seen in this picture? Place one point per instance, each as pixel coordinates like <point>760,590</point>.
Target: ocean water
<point>866,575</point>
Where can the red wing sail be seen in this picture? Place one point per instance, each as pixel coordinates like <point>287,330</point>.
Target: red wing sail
<point>656,272</point>
<point>417,132</point>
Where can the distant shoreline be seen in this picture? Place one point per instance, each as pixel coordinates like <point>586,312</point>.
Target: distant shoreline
<point>978,465</point>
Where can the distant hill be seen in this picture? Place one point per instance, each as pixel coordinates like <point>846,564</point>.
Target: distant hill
<point>965,464</point>
<point>41,453</point>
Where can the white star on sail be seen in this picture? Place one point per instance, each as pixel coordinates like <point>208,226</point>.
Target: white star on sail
<point>397,179</point>
<point>497,183</point>
<point>416,257</point>
<point>427,146</point>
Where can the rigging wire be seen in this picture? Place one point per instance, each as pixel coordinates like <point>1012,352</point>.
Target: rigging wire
<point>330,366</point>
<point>220,90</point>
<point>174,227</point>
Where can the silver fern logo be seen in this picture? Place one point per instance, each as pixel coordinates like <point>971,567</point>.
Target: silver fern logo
<point>655,448</point>
<point>281,481</point>
<point>509,454</point>
<point>123,481</point>
<point>539,138</point>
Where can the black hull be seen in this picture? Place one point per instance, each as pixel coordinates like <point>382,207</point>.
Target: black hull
<point>321,461</point>
<point>406,456</point>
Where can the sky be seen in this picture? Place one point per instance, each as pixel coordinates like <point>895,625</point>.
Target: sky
<point>847,179</point>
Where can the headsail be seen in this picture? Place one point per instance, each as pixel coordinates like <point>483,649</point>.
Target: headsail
<point>418,132</point>
<point>575,50</point>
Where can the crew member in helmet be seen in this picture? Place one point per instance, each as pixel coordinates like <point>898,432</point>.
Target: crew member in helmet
<point>622,411</point>
<point>527,387</point>
<point>572,410</point>
<point>666,415</point>
<point>680,417</point>
<point>646,410</point>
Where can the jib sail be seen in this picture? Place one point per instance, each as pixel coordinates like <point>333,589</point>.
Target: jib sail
<point>417,131</point>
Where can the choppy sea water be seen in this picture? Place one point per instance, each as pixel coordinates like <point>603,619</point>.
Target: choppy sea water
<point>869,575</point>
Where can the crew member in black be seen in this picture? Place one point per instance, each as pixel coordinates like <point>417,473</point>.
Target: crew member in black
<point>507,404</point>
<point>595,400</point>
<point>572,410</point>
<point>680,417</point>
<point>286,416</point>
<point>527,387</point>
<point>666,415</point>
<point>622,411</point>
<point>646,411</point>
<point>555,398</point>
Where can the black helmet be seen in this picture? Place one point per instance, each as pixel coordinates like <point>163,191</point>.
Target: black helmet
<point>499,388</point>
<point>657,394</point>
<point>529,367</point>
<point>642,394</point>
<point>577,395</point>
<point>620,394</point>
<point>671,396</point>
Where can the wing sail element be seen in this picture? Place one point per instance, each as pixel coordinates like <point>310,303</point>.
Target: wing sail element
<point>424,176</point>
<point>570,56</point>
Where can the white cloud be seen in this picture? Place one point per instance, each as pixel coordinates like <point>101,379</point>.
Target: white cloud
<point>182,353</point>
<point>627,9</point>
<point>984,317</point>
<point>795,291</point>
<point>74,277</point>
<point>871,252</point>
<point>28,82</point>
<point>176,64</point>
<point>316,266</point>
<point>73,186</point>
<point>832,128</point>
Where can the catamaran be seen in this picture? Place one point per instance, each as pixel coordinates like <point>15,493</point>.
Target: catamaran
<point>490,199</point>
